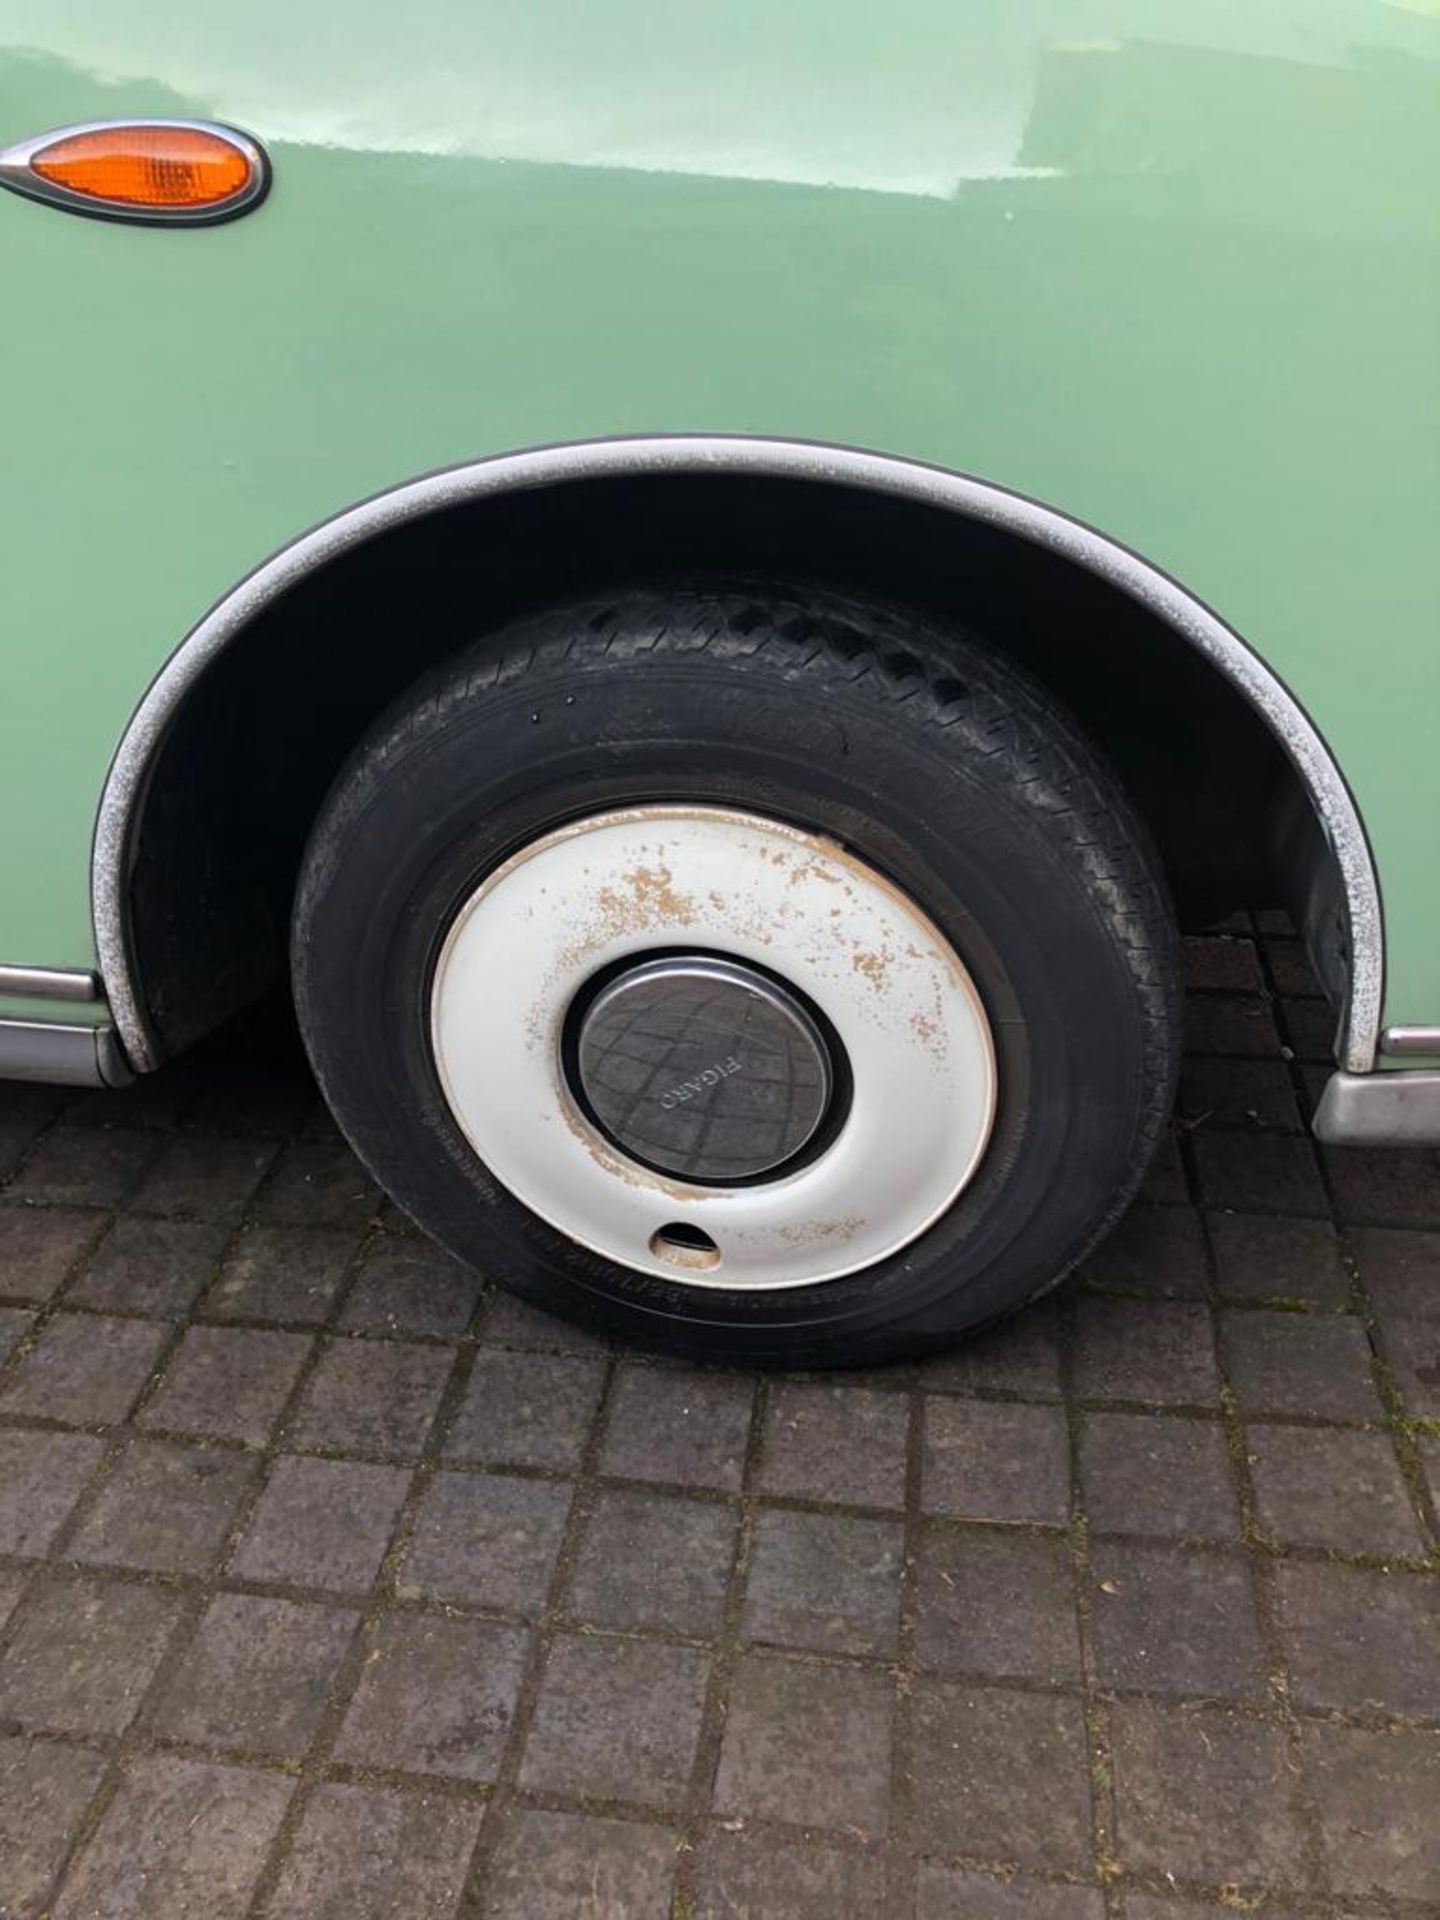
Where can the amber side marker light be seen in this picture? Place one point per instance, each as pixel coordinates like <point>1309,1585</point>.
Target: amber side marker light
<point>159,172</point>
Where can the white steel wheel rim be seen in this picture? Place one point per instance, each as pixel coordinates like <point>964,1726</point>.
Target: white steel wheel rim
<point>641,880</point>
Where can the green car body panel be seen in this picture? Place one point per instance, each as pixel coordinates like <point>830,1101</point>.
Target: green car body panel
<point>1170,267</point>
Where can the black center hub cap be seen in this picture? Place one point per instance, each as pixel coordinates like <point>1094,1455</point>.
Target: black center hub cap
<point>704,1068</point>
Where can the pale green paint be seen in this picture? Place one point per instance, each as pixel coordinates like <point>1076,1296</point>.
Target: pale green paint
<point>69,1012</point>
<point>1171,267</point>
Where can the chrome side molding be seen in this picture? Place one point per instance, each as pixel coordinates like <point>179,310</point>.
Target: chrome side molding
<point>1411,1043</point>
<point>49,983</point>
<point>1380,1110</point>
<point>67,1056</point>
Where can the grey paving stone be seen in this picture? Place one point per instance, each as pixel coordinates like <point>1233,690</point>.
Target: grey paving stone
<point>997,1604</point>
<point>991,1461</point>
<point>41,1477</point>
<point>13,1583</point>
<point>1309,1027</point>
<point>24,1111</point>
<point>526,1409</point>
<point>411,1287</point>
<point>1159,1352</point>
<point>1203,1794</point>
<point>572,1866</point>
<point>1158,1250</point>
<point>1385,1187</point>
<point>84,1167</point>
<point>827,1440</point>
<point>1400,1270</point>
<point>282,1273</point>
<point>15,1323</point>
<point>1377,1795</point>
<point>672,1424</point>
<point>436,1695</point>
<point>1300,1363</point>
<point>950,1893</point>
<point>1361,1640</point>
<point>204,1177</point>
<point>1291,970</point>
<point>228,1383</point>
<point>1412,1349</point>
<point>266,1104</point>
<point>1430,1465</point>
<point>1158,1473</point>
<point>39,1246</point>
<point>1021,1356</point>
<point>991,1602</point>
<point>1270,1257</point>
<point>30,1104</point>
<point>1230,1023</point>
<point>1239,1093</point>
<point>322,1523</point>
<point>808,1745</point>
<point>1221,963</point>
<point>1259,1173</point>
<point>82,1652</point>
<point>361,1854</point>
<point>256,1675</point>
<point>319,1122</point>
<point>408,1286</point>
<point>616,1720</point>
<point>830,1582</point>
<point>318,1183</point>
<point>654,1560</point>
<point>44,1790</point>
<point>1166,1184</point>
<point>1000,1776</point>
<point>85,1369</point>
<point>485,1540</point>
<point>154,1101</point>
<point>1145,1906</point>
<point>743,1875</point>
<point>154,1267</point>
<point>1170,1621</point>
<point>510,1322</point>
<point>1326,1487</point>
<point>371,1396</point>
<point>165,1508</point>
<point>181,1840</point>
<point>1314,1078</point>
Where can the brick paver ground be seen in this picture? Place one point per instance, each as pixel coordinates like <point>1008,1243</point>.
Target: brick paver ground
<point>336,1583</point>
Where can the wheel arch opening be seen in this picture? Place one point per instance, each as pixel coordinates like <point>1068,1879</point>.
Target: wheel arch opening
<point>228,759</point>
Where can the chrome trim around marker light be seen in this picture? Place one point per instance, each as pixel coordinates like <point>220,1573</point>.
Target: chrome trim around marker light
<point>938,487</point>
<point>17,173</point>
<point>49,983</point>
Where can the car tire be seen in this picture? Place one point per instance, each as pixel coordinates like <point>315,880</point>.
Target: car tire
<point>995,1016</point>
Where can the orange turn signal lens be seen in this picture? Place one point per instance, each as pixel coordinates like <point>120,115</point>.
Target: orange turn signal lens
<point>167,169</point>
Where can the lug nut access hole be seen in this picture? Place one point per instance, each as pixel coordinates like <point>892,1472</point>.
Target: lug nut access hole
<point>684,1246</point>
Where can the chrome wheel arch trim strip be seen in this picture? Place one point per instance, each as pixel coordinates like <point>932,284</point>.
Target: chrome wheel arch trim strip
<point>685,455</point>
